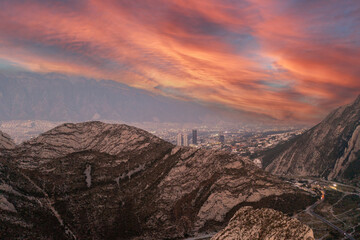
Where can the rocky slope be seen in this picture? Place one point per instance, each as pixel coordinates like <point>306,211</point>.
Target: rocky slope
<point>264,224</point>
<point>331,149</point>
<point>5,141</point>
<point>108,181</point>
<point>25,209</point>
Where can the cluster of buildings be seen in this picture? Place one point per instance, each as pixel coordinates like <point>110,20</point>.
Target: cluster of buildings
<point>252,143</point>
<point>238,142</point>
<point>183,139</point>
<point>245,141</point>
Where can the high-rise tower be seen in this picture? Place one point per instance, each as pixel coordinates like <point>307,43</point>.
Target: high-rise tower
<point>185,139</point>
<point>194,136</point>
<point>179,140</point>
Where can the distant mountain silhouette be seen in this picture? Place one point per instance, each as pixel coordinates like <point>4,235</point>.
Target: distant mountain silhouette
<point>56,97</point>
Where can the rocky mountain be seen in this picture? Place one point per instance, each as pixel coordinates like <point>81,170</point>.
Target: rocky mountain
<point>5,141</point>
<point>25,209</point>
<point>109,181</point>
<point>331,149</point>
<point>264,224</point>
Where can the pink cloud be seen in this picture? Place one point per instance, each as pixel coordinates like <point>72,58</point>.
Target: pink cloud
<point>266,57</point>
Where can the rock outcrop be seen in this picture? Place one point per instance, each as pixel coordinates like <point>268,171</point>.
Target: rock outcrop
<point>108,181</point>
<point>331,149</point>
<point>264,224</point>
<point>6,142</point>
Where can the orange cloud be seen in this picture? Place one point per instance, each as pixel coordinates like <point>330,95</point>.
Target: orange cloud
<point>290,61</point>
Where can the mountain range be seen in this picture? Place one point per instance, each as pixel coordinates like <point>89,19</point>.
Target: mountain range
<point>59,98</point>
<point>329,150</point>
<point>107,181</point>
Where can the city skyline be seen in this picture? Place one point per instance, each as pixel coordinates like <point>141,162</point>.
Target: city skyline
<point>179,119</point>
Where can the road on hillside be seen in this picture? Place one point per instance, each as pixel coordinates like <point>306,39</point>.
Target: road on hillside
<point>311,211</point>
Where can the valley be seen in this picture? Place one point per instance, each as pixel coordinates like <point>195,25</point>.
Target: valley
<point>340,207</point>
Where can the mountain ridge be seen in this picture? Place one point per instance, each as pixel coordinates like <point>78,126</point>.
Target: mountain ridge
<point>331,149</point>
<point>126,183</point>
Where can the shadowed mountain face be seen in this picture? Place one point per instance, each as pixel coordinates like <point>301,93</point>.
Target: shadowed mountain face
<point>25,209</point>
<point>107,181</point>
<point>331,149</point>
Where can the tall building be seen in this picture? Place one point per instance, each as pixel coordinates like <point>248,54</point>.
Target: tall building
<point>179,140</point>
<point>222,139</point>
<point>194,136</point>
<point>185,139</point>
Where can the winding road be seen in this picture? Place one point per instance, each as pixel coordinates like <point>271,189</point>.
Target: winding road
<point>310,210</point>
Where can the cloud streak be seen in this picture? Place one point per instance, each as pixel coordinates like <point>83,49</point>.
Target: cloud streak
<point>291,61</point>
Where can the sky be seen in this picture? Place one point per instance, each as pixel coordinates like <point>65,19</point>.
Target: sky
<point>291,60</point>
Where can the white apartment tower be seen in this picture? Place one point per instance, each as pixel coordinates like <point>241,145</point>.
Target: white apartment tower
<point>182,139</point>
<point>179,140</point>
<point>185,139</point>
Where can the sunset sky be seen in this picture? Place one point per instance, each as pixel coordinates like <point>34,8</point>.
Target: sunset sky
<point>292,60</point>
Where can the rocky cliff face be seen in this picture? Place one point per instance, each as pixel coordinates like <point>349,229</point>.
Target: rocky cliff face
<point>107,181</point>
<point>330,149</point>
<point>5,141</point>
<point>25,209</point>
<point>264,224</point>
